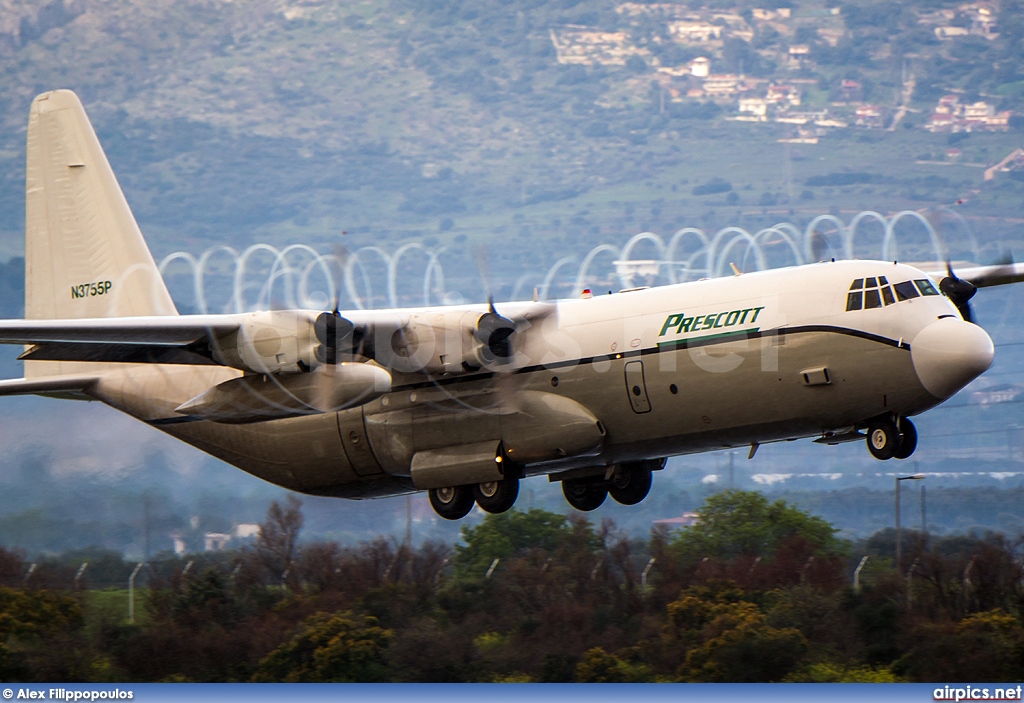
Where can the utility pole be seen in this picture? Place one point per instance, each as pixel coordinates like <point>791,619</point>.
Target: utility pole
<point>924,517</point>
<point>145,525</point>
<point>899,534</point>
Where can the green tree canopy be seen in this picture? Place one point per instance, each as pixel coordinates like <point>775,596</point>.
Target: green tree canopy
<point>502,536</point>
<point>743,523</point>
<point>330,648</point>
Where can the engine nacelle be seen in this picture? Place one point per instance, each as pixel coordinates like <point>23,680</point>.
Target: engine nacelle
<point>270,342</point>
<point>444,343</point>
<point>260,397</point>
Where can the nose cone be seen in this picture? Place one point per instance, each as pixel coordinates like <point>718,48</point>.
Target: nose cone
<point>950,353</point>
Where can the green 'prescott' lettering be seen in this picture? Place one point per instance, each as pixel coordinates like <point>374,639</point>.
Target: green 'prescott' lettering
<point>678,322</point>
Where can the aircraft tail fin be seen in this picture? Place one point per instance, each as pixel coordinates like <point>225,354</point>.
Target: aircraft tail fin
<point>84,254</point>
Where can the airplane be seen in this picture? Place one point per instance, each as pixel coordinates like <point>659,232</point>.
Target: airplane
<point>466,401</point>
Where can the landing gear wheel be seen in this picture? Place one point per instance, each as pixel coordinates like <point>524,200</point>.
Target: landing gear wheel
<point>630,484</point>
<point>584,495</point>
<point>496,496</point>
<point>908,440</point>
<point>883,439</point>
<point>451,502</point>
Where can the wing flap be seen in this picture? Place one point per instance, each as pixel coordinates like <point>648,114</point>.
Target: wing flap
<point>197,353</point>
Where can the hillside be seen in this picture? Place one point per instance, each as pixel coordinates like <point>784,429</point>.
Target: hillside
<point>543,126</point>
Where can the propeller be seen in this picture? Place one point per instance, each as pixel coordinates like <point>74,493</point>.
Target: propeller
<point>332,330</point>
<point>959,292</point>
<point>495,331</point>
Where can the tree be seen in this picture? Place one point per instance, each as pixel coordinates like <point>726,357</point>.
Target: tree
<point>598,666</point>
<point>985,646</point>
<point>277,545</point>
<point>503,535</point>
<point>330,648</point>
<point>34,627</point>
<point>726,638</point>
<point>743,523</point>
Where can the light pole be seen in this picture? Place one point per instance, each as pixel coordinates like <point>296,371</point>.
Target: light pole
<point>899,535</point>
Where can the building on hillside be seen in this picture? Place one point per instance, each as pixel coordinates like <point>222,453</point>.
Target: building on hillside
<point>948,105</point>
<point>589,46</point>
<point>950,115</point>
<point>851,90</point>
<point>783,95</point>
<point>694,32</point>
<point>688,519</point>
<point>671,10</point>
<point>831,36</point>
<point>215,541</point>
<point>721,85</point>
<point>869,116</point>
<point>799,54</point>
<point>950,32</point>
<point>700,67</point>
<point>755,107</point>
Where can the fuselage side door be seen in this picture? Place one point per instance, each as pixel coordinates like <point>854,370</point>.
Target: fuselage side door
<point>636,388</point>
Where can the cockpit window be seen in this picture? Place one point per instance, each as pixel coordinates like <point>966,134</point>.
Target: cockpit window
<point>871,298</point>
<point>926,287</point>
<point>906,290</point>
<point>868,293</point>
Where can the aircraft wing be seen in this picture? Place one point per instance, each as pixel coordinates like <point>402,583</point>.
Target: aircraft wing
<point>985,276</point>
<point>166,330</point>
<point>166,339</point>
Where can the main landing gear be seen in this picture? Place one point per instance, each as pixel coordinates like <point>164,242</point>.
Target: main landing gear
<point>891,439</point>
<point>455,502</point>
<point>629,485</point>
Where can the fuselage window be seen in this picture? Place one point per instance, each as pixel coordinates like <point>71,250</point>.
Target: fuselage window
<point>869,283</point>
<point>887,295</point>
<point>906,290</point>
<point>883,281</point>
<point>871,298</point>
<point>853,301</point>
<point>857,285</point>
<point>926,287</point>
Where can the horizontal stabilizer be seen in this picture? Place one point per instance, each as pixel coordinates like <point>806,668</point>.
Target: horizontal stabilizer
<point>51,384</point>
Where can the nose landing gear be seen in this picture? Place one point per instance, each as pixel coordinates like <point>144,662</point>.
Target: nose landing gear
<point>889,439</point>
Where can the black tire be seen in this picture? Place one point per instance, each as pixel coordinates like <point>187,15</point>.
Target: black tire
<point>883,439</point>
<point>584,495</point>
<point>496,496</point>
<point>452,502</point>
<point>908,440</point>
<point>630,484</point>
